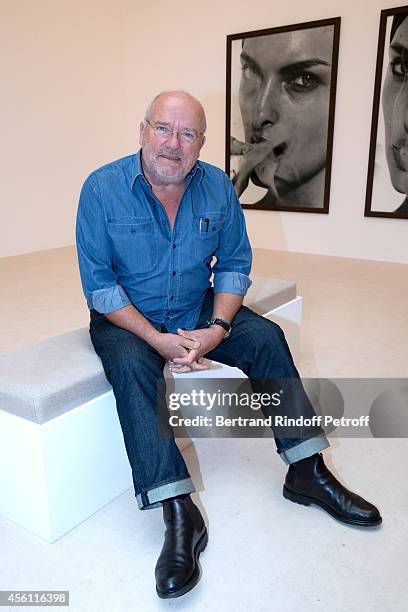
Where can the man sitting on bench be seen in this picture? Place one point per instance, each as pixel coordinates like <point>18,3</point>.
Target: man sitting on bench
<point>148,226</point>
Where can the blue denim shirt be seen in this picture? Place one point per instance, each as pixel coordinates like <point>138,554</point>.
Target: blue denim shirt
<point>127,253</point>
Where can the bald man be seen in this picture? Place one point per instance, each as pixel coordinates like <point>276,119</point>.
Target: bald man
<point>148,227</point>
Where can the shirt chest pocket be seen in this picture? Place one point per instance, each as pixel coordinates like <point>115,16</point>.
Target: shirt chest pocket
<point>207,232</point>
<point>134,245</point>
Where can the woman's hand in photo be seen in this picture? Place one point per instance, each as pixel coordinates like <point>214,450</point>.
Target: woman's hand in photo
<point>251,155</point>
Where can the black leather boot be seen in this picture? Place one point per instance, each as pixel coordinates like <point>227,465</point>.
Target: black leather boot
<point>310,482</point>
<point>177,569</point>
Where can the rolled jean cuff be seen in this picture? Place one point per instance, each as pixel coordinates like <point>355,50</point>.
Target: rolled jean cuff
<point>305,449</point>
<point>153,498</point>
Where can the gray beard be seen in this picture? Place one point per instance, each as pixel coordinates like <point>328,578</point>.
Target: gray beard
<point>161,178</point>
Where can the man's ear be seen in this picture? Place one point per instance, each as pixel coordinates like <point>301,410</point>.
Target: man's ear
<point>203,143</point>
<point>141,128</point>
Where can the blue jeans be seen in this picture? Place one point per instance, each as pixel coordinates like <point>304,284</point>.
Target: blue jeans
<point>256,345</point>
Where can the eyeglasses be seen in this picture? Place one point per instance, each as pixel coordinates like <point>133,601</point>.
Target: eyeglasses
<point>164,131</point>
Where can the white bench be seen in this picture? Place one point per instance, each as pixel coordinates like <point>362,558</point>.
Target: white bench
<point>62,454</point>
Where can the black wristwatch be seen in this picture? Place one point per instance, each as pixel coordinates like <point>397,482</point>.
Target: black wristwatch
<point>223,323</point>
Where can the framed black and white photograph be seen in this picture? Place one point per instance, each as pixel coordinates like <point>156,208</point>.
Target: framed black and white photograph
<point>387,179</point>
<point>281,89</point>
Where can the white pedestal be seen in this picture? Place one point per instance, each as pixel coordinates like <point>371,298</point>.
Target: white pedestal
<point>289,317</point>
<point>55,475</point>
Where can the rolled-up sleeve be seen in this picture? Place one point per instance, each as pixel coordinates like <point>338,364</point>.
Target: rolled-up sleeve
<point>99,280</point>
<point>234,255</point>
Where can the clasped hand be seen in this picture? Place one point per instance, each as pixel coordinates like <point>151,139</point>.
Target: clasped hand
<point>186,349</point>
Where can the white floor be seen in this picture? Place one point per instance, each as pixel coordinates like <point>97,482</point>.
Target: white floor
<point>265,553</point>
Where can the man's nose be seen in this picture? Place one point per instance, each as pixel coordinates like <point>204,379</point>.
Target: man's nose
<point>172,140</point>
<point>268,105</point>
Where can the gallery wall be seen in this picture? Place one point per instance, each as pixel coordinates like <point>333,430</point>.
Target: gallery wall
<point>79,74</point>
<point>62,113</point>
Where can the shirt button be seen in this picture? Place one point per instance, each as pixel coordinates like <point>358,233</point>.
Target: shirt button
<point>174,274</point>
<point>168,312</point>
<point>172,297</point>
<point>174,246</point>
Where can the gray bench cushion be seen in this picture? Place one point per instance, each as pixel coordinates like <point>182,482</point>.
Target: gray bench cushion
<point>51,377</point>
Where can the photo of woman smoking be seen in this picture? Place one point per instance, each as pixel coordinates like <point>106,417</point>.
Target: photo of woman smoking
<point>280,115</point>
<point>387,183</point>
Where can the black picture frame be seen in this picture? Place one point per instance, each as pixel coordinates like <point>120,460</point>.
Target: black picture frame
<point>382,197</point>
<point>285,152</point>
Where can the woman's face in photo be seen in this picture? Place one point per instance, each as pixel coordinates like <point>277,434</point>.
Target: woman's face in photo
<point>395,109</point>
<point>284,99</point>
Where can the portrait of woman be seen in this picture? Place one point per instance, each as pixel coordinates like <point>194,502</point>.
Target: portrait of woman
<point>387,183</point>
<point>280,115</point>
